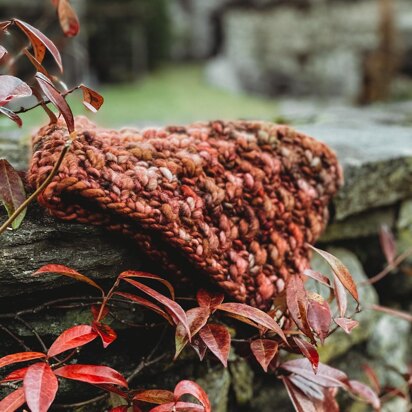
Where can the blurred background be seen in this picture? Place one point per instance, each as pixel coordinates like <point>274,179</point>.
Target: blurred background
<point>182,60</point>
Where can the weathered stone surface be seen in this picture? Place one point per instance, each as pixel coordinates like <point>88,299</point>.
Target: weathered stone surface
<point>242,381</point>
<point>216,382</point>
<point>340,342</point>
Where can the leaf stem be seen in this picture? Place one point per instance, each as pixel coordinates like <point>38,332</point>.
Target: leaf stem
<point>34,195</point>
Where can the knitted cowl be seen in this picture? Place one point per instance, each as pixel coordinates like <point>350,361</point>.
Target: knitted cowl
<point>235,201</point>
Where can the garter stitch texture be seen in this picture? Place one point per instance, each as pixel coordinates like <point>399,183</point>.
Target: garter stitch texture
<point>238,201</point>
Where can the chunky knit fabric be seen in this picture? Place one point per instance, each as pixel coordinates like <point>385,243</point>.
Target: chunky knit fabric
<point>236,201</point>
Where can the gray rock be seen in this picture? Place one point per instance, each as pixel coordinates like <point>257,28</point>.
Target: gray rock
<point>339,343</point>
<point>242,381</point>
<point>216,383</point>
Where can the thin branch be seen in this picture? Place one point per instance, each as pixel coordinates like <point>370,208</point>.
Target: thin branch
<point>71,406</point>
<point>389,268</point>
<point>15,337</point>
<point>33,331</point>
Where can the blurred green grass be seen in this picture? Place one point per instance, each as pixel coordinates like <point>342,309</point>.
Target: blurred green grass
<point>173,94</point>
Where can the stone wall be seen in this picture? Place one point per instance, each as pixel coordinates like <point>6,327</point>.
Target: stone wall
<point>376,155</point>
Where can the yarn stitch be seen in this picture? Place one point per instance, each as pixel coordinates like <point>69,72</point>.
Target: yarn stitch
<point>237,201</point>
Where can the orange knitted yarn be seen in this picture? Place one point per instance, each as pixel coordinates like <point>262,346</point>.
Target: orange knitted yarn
<point>238,201</point>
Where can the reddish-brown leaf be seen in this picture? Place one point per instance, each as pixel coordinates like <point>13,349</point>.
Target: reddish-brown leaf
<point>12,193</point>
<point>326,376</point>
<point>17,375</point>
<point>57,99</point>
<point>346,324</point>
<point>254,314</point>
<point>388,243</point>
<point>66,271</point>
<point>318,277</point>
<point>299,400</point>
<point>20,357</point>
<point>309,351</point>
<point>106,333</point>
<point>217,339</point>
<point>122,408</point>
<point>319,318</point>
<point>40,43</point>
<point>209,299</point>
<point>309,388</point>
<point>11,115</point>
<point>4,25</point>
<point>13,401</point>
<point>197,318</point>
<point>156,396</point>
<point>40,387</point>
<point>95,309</point>
<point>94,374</point>
<point>172,306</point>
<point>12,87</point>
<point>72,338</point>
<point>366,393</point>
<point>297,303</point>
<point>145,275</point>
<point>341,271</point>
<point>192,388</point>
<point>69,21</point>
<point>91,99</point>
<point>340,295</point>
<point>3,52</point>
<point>146,303</point>
<point>264,351</point>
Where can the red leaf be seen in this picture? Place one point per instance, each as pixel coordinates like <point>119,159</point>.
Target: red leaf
<point>57,99</point>
<point>325,376</point>
<point>209,299</point>
<point>20,357</point>
<point>40,43</point>
<point>388,243</point>
<point>309,351</point>
<point>17,375</point>
<point>145,275</point>
<point>319,318</point>
<point>40,387</point>
<point>38,66</point>
<point>178,407</point>
<point>341,271</point>
<point>196,318</point>
<point>156,396</point>
<point>192,388</point>
<point>4,25</point>
<point>146,303</point>
<point>93,374</point>
<point>264,351</point>
<point>13,401</point>
<point>346,324</point>
<point>95,309</point>
<point>174,308</point>
<point>254,314</point>
<point>12,87</point>
<point>11,115</point>
<point>166,407</point>
<point>297,303</point>
<point>12,193</point>
<point>340,295</point>
<point>72,338</point>
<point>300,401</point>
<point>106,333</point>
<point>217,339</point>
<point>123,408</point>
<point>66,271</point>
<point>69,21</point>
<point>318,277</point>
<point>366,393</point>
<point>91,99</point>
<point>309,388</point>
